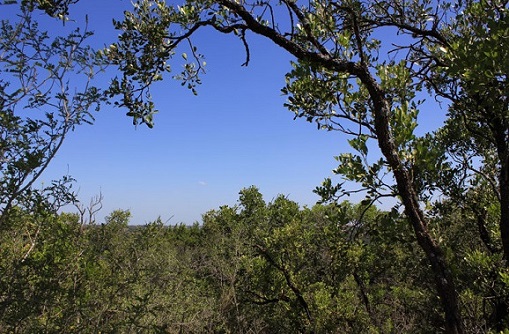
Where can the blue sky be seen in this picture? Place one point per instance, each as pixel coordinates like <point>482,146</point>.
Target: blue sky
<point>203,149</point>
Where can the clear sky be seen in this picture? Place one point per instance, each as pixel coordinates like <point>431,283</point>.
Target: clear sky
<point>203,149</point>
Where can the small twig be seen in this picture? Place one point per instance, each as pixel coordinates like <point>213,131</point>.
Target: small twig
<point>33,242</point>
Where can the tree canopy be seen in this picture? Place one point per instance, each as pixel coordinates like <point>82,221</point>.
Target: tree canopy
<point>360,67</point>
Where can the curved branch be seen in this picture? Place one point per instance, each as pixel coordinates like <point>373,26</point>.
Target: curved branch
<point>293,48</point>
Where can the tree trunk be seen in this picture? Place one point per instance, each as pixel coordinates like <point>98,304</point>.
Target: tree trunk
<point>503,155</point>
<point>443,277</point>
<point>502,306</point>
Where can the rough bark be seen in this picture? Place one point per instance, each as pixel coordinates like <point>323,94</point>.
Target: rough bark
<point>501,133</point>
<point>443,277</point>
<point>503,156</point>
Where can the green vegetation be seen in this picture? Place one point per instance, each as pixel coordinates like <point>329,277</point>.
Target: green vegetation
<point>437,262</point>
<point>256,267</point>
